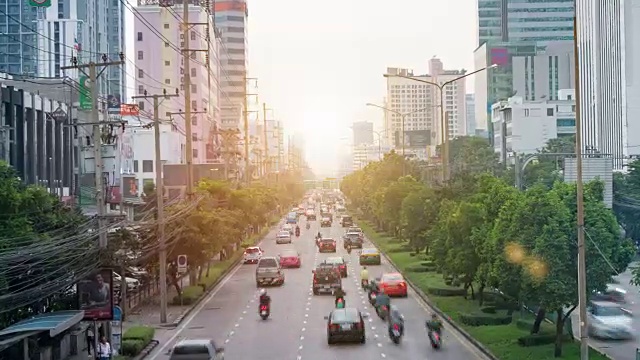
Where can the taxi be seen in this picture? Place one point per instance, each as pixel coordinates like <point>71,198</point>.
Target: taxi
<point>370,256</point>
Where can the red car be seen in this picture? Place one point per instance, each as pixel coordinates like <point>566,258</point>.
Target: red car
<point>328,245</point>
<point>393,284</point>
<point>290,259</point>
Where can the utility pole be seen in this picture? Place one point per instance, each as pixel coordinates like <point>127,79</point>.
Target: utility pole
<point>93,76</point>
<point>245,119</point>
<point>160,199</point>
<point>266,141</point>
<point>582,269</point>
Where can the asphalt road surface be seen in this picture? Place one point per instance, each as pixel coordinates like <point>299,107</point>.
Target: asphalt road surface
<point>296,328</point>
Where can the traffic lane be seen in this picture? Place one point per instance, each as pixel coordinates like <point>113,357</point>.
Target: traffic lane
<point>223,310</point>
<point>415,343</point>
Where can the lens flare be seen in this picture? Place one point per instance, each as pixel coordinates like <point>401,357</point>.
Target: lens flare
<point>514,253</point>
<point>537,268</point>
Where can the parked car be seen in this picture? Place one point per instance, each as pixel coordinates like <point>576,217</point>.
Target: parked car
<point>132,284</point>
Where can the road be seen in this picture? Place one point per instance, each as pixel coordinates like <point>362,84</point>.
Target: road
<point>619,350</point>
<point>296,328</point>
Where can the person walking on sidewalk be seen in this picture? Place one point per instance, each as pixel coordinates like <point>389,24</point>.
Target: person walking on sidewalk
<point>104,349</point>
<point>90,340</point>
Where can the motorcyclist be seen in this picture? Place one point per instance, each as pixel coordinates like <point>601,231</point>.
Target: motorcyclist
<point>434,324</point>
<point>308,225</point>
<point>319,236</point>
<point>348,248</point>
<point>382,299</point>
<point>364,276</point>
<point>297,230</point>
<point>395,318</point>
<point>339,294</point>
<point>264,298</point>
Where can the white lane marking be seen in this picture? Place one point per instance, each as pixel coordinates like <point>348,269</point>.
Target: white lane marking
<point>379,345</point>
<point>244,311</point>
<point>304,322</point>
<point>375,335</point>
<point>373,328</point>
<point>226,341</point>
<point>300,348</point>
<point>303,329</point>
<point>299,357</point>
<point>301,338</point>
<point>241,318</point>
<point>306,315</point>
<point>236,325</point>
<point>231,333</point>
<point>306,309</point>
<point>383,355</point>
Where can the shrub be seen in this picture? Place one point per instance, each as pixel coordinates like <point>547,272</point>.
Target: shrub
<point>397,249</point>
<point>488,309</point>
<point>417,268</point>
<point>428,263</point>
<point>142,333</point>
<point>524,324</point>
<point>446,292</point>
<point>484,319</point>
<point>132,347</point>
<point>541,339</point>
<point>190,294</point>
<point>456,282</point>
<point>448,281</point>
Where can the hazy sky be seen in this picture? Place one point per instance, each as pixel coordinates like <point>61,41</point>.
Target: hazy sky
<point>320,62</point>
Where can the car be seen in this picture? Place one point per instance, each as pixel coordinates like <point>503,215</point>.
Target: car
<point>196,349</point>
<point>283,237</point>
<point>326,279</point>
<point>132,284</point>
<point>370,256</point>
<point>393,284</point>
<point>355,229</point>
<point>356,240</point>
<point>287,227</point>
<point>327,245</point>
<point>311,215</point>
<point>301,211</point>
<point>325,222</point>
<point>290,259</point>
<point>338,262</point>
<point>346,221</point>
<point>345,325</point>
<point>269,272</point>
<point>252,255</point>
<point>608,320</point>
<point>611,293</point>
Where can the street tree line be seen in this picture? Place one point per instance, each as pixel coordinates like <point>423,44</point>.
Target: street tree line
<point>479,229</point>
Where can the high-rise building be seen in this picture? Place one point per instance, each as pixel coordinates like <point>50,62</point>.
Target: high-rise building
<point>454,96</point>
<point>18,43</point>
<point>632,70</point>
<point>470,114</point>
<point>536,21</point>
<point>231,17</point>
<point>159,66</point>
<point>362,133</point>
<point>541,76</point>
<point>602,77</point>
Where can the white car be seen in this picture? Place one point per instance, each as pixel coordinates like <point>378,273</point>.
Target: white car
<point>608,320</point>
<point>252,255</point>
<point>132,284</point>
<point>288,228</point>
<point>283,237</point>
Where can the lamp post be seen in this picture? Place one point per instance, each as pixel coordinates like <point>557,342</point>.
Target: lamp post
<point>402,115</point>
<point>379,142</point>
<point>444,123</point>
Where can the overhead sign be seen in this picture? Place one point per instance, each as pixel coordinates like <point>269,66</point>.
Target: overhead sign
<point>182,264</point>
<point>40,3</point>
<point>86,102</point>
<point>129,109</point>
<point>113,104</point>
<point>418,138</point>
<point>129,187</point>
<point>59,115</point>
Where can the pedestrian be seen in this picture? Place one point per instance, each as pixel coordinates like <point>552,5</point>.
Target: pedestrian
<point>90,340</point>
<point>104,349</point>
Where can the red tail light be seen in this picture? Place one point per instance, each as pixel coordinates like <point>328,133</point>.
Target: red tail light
<point>263,307</point>
<point>360,325</point>
<point>402,284</point>
<point>334,327</point>
<point>396,327</point>
<point>315,281</point>
<point>342,266</point>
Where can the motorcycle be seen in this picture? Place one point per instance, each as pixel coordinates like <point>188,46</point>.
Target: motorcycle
<point>340,303</point>
<point>395,333</point>
<point>264,311</point>
<point>372,297</point>
<point>383,312</point>
<point>348,249</point>
<point>308,226</point>
<point>364,283</point>
<point>434,337</point>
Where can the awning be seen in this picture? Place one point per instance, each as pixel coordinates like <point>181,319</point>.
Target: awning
<point>55,323</point>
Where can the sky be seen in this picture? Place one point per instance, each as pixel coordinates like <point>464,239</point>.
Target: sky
<point>319,62</point>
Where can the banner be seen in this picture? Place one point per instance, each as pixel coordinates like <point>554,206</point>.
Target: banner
<point>113,104</point>
<point>40,3</point>
<point>95,295</point>
<point>417,138</point>
<point>86,102</point>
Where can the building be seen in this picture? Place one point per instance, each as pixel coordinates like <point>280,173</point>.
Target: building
<point>602,77</point>
<point>231,17</point>
<point>419,102</point>
<point>159,66</point>
<point>541,76</point>
<point>524,127</point>
<point>541,22</point>
<point>496,85</point>
<point>364,154</point>
<point>362,132</point>
<point>632,70</point>
<point>470,119</point>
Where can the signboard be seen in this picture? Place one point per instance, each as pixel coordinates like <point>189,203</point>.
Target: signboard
<point>95,295</point>
<point>84,88</point>
<point>129,109</point>
<point>126,152</point>
<point>113,104</point>
<point>116,330</point>
<point>417,138</point>
<point>182,264</point>
<point>59,115</point>
<point>130,187</point>
<point>40,3</point>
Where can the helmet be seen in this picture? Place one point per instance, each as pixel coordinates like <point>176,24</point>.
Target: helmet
<point>434,316</point>
<point>364,268</point>
<point>263,292</point>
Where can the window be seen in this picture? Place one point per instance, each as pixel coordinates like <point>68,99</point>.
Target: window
<point>140,73</point>
<point>140,89</point>
<point>241,62</point>
<point>193,35</point>
<point>566,122</point>
<point>194,104</point>
<point>135,166</point>
<point>167,81</point>
<point>140,55</point>
<point>194,137</point>
<point>166,26</point>
<point>549,111</point>
<point>166,44</point>
<point>139,36</point>
<point>236,40</point>
<point>526,112</point>
<point>194,89</point>
<point>232,29</point>
<point>167,63</point>
<point>193,72</point>
<point>194,121</point>
<point>147,166</point>
<point>141,105</point>
<point>195,153</point>
<point>193,55</point>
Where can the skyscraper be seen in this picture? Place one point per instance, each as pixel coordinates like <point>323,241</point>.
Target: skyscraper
<point>231,18</point>
<point>362,133</point>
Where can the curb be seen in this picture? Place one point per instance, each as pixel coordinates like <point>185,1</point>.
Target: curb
<point>440,313</point>
<point>147,350</point>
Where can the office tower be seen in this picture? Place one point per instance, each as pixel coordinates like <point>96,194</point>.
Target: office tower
<point>362,133</point>
<point>632,74</point>
<point>470,114</point>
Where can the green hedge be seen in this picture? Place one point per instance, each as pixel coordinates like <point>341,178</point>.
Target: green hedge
<point>190,294</point>
<point>446,291</point>
<point>525,324</point>
<point>484,319</point>
<point>489,309</point>
<point>541,339</point>
<point>132,348</point>
<point>417,268</point>
<point>135,339</point>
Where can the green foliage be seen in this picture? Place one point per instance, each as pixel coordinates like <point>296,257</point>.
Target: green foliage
<point>482,232</point>
<point>135,339</point>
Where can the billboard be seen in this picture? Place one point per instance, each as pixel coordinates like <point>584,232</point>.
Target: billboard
<point>592,169</point>
<point>130,186</point>
<point>500,56</point>
<point>414,139</point>
<point>95,295</point>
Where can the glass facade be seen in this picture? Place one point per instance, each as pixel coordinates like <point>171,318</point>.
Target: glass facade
<point>18,47</point>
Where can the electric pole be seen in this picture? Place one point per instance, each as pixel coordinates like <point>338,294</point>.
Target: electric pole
<point>266,141</point>
<point>245,119</point>
<point>162,252</point>
<point>93,76</point>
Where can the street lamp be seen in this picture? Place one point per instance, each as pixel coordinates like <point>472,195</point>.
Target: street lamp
<point>402,117</point>
<point>379,142</point>
<point>444,122</point>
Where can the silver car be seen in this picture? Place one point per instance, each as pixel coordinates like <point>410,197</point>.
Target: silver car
<point>608,320</point>
<point>197,349</point>
<point>283,237</point>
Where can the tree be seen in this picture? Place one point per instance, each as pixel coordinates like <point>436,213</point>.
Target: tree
<point>472,154</point>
